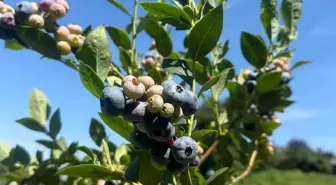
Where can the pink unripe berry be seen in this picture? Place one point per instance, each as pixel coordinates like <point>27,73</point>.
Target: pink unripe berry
<point>46,4</point>
<point>147,81</point>
<point>127,78</point>
<point>36,8</point>
<point>64,4</point>
<point>62,33</point>
<point>64,47</point>
<point>75,29</point>
<point>134,89</point>
<point>154,90</point>
<point>57,10</point>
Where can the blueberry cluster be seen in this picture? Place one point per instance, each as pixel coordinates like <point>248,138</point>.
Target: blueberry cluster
<point>41,15</point>
<point>279,65</point>
<point>153,109</point>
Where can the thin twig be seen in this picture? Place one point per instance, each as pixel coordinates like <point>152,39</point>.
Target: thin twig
<point>209,151</point>
<point>248,169</point>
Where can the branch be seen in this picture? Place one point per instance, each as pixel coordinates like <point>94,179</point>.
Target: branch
<point>209,151</point>
<point>248,169</point>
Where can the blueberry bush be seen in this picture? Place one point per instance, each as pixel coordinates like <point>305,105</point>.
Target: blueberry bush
<point>165,103</point>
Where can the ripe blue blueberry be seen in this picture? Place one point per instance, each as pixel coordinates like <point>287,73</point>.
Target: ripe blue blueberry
<point>250,84</point>
<point>190,106</point>
<point>7,21</point>
<point>160,153</point>
<point>135,111</point>
<point>271,67</point>
<point>285,78</point>
<point>174,94</point>
<point>23,10</point>
<point>184,150</point>
<point>141,140</point>
<point>175,167</point>
<point>112,101</point>
<point>196,162</point>
<point>168,82</point>
<point>160,128</point>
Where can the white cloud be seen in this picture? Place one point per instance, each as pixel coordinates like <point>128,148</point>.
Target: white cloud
<point>231,4</point>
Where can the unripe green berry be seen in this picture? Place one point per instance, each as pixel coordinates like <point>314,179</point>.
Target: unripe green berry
<point>75,40</point>
<point>75,29</point>
<point>64,47</point>
<point>127,78</point>
<point>154,104</point>
<point>36,21</point>
<point>246,73</point>
<point>154,90</point>
<point>147,81</point>
<point>177,115</point>
<point>134,89</point>
<point>167,110</point>
<point>62,33</point>
<point>57,10</point>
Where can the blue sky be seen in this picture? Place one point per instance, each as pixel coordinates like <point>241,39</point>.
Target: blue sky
<point>308,119</point>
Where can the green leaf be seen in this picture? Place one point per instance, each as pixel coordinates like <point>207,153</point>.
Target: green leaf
<point>163,42</point>
<point>147,173</point>
<point>62,143</point>
<point>120,6</point>
<point>48,144</point>
<point>178,67</point>
<point>269,126</point>
<point>106,158</point>
<point>39,156</point>
<point>268,82</point>
<point>219,51</point>
<point>55,124</point>
<point>119,125</point>
<point>291,13</point>
<point>13,45</point>
<point>155,73</point>
<point>201,133</point>
<point>4,151</point>
<point>38,106</point>
<point>225,64</point>
<point>299,64</point>
<point>87,151</point>
<point>119,152</point>
<point>268,101</point>
<point>113,80</point>
<point>284,103</point>
<point>253,49</point>
<point>132,172</point>
<point>31,124</point>
<point>90,80</point>
<point>238,94</point>
<point>169,14</point>
<point>97,131</point>
<point>87,30</point>
<point>213,177</point>
<point>221,83</point>
<point>96,52</point>
<point>215,80</point>
<point>205,34</point>
<point>19,154</point>
<point>90,171</point>
<point>119,37</point>
<point>201,74</point>
<point>269,18</point>
<point>38,40</point>
<point>125,58</point>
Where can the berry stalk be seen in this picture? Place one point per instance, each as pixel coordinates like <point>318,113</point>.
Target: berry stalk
<point>134,23</point>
